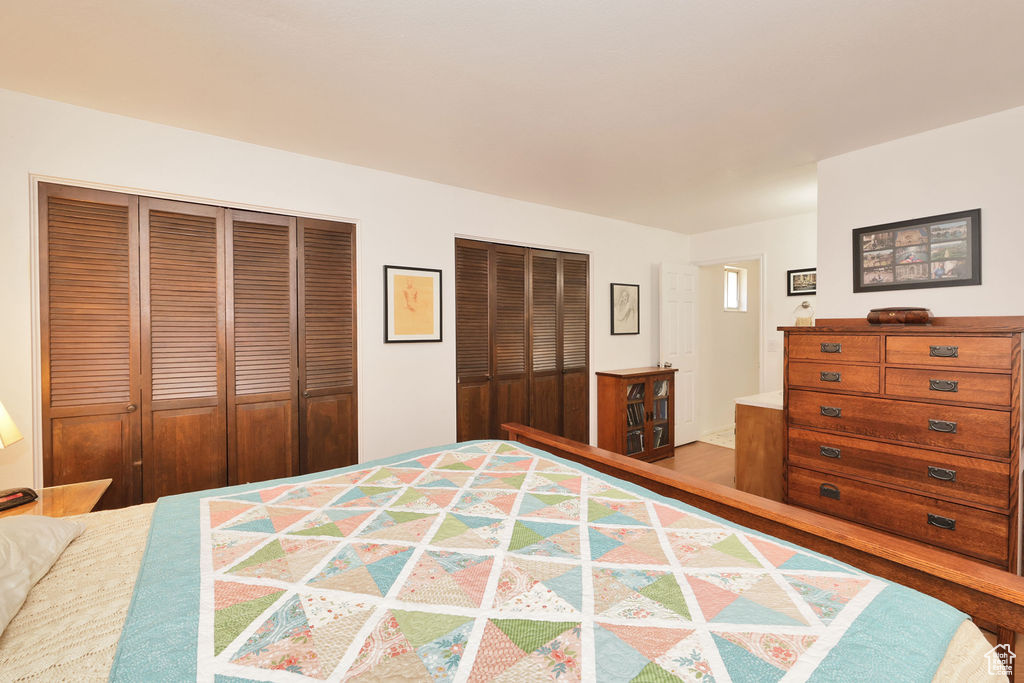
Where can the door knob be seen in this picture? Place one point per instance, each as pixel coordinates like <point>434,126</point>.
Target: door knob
<point>305,394</point>
<point>131,408</point>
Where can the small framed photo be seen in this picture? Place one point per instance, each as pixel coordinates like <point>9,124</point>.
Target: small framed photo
<point>412,304</point>
<point>802,282</point>
<point>936,251</point>
<point>625,308</point>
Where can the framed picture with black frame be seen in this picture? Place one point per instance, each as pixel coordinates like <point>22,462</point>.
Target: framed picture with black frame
<point>802,282</point>
<point>412,304</point>
<point>935,251</point>
<point>625,308</point>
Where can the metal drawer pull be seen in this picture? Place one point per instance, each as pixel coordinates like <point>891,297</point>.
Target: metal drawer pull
<point>828,491</point>
<point>941,474</point>
<point>829,411</point>
<point>942,522</point>
<point>944,351</point>
<point>830,376</point>
<point>829,451</point>
<point>831,347</point>
<point>944,385</point>
<point>942,426</point>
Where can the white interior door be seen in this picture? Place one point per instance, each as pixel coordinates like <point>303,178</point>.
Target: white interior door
<point>678,309</point>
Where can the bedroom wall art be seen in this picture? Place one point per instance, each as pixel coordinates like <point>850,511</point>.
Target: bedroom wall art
<point>625,308</point>
<point>936,251</point>
<point>412,303</point>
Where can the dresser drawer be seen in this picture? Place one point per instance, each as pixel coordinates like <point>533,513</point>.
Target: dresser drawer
<point>974,430</point>
<point>960,528</point>
<point>950,351</point>
<point>949,385</point>
<point>833,347</point>
<point>971,480</point>
<point>862,378</point>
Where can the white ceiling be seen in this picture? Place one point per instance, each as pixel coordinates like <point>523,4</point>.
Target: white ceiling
<point>682,114</point>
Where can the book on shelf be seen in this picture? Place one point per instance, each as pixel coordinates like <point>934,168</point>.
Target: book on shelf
<point>635,414</point>
<point>658,435</point>
<point>635,392</point>
<point>634,442</point>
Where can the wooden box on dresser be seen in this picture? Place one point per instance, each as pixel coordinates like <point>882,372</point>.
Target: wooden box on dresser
<point>635,410</point>
<point>912,429</point>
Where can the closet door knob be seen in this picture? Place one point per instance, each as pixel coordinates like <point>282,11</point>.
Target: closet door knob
<point>305,394</point>
<point>131,408</point>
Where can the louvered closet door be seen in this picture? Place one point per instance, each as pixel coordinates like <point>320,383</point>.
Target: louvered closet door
<point>184,399</point>
<point>575,324</point>
<point>545,342</point>
<point>472,339</point>
<point>263,437</point>
<point>90,331</point>
<point>509,348</point>
<point>327,345</point>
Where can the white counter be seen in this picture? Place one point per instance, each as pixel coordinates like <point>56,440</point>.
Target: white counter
<point>769,399</point>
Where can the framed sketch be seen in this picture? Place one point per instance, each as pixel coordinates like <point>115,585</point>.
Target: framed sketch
<point>937,251</point>
<point>412,304</point>
<point>802,282</point>
<point>625,308</point>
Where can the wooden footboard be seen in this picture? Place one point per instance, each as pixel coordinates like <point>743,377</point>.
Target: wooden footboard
<point>975,588</point>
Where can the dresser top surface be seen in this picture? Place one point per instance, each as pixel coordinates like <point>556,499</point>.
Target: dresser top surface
<point>636,372</point>
<point>967,324</point>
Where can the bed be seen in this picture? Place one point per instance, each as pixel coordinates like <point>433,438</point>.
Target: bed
<point>496,560</point>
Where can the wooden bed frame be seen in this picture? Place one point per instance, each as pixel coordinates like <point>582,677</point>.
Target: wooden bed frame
<point>993,596</point>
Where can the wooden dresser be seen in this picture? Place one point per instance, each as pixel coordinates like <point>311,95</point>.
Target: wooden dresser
<point>914,430</point>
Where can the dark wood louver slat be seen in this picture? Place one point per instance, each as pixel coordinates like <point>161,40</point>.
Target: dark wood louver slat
<point>90,325</point>
<point>575,347</point>
<point>510,340</point>
<point>472,339</point>
<point>263,434</point>
<point>327,351</point>
<point>546,375</point>
<point>184,383</point>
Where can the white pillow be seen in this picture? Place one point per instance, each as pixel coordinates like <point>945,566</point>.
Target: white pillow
<point>29,545</point>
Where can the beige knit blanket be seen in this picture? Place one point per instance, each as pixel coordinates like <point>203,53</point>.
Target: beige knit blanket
<point>69,626</point>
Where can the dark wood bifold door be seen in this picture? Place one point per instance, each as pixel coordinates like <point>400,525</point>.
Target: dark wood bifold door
<point>89,324</point>
<point>183,359</point>
<point>263,406</point>
<point>188,347</point>
<point>327,351</point>
<point>521,340</point>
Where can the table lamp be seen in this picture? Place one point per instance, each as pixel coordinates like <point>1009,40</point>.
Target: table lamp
<point>9,434</point>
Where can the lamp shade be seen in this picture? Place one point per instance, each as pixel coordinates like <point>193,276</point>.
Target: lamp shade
<point>8,430</point>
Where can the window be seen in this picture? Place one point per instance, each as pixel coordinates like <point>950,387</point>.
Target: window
<point>735,289</point>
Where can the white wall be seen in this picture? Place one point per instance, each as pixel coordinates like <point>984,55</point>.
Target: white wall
<point>406,391</point>
<point>786,244</point>
<point>976,163</point>
<point>728,346</point>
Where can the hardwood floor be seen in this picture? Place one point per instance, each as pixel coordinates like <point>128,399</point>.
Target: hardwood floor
<point>704,461</point>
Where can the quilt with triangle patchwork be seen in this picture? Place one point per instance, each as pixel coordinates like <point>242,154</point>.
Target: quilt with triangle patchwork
<point>494,561</point>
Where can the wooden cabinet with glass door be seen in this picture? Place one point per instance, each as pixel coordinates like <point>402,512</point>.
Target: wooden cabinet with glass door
<point>635,409</point>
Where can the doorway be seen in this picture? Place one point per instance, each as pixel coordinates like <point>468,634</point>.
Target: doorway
<point>729,344</point>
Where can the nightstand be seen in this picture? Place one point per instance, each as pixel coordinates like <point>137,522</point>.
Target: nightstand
<point>63,501</point>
